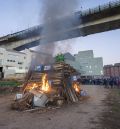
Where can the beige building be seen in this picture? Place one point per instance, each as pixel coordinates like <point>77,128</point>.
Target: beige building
<point>13,63</point>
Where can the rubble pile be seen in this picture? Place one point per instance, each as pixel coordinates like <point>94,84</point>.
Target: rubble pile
<point>52,85</point>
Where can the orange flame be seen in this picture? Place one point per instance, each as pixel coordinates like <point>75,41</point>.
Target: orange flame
<point>45,83</point>
<point>31,86</point>
<point>44,86</point>
<point>76,87</point>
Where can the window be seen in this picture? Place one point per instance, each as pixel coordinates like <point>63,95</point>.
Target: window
<point>10,60</point>
<point>20,63</point>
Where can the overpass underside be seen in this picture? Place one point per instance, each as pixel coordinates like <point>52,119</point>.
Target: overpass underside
<point>91,22</point>
<point>93,29</point>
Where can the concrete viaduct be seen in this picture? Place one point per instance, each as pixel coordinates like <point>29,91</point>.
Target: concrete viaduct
<point>100,19</point>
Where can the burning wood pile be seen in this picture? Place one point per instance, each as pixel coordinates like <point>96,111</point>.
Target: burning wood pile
<point>53,86</point>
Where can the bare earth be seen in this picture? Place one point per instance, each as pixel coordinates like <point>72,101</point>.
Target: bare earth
<point>84,115</point>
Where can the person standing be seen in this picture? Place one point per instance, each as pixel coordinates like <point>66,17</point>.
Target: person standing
<point>111,83</point>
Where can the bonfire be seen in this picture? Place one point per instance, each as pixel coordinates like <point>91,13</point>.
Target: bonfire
<point>55,85</point>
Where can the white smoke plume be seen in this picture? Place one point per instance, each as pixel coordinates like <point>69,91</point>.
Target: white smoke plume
<point>52,11</point>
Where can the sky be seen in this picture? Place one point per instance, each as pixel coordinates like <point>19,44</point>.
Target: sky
<point>17,15</point>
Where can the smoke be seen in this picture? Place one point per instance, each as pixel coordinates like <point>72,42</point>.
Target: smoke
<point>57,8</point>
<point>53,11</point>
<point>68,46</point>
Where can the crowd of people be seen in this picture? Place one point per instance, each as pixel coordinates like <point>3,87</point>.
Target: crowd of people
<point>106,82</point>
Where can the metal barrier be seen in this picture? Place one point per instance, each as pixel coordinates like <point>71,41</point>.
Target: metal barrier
<point>111,4</point>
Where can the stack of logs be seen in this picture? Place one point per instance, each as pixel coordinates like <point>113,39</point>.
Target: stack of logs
<point>61,77</point>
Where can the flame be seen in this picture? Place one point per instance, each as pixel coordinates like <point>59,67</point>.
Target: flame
<point>76,87</point>
<point>31,86</point>
<point>34,86</point>
<point>45,83</point>
<point>44,86</point>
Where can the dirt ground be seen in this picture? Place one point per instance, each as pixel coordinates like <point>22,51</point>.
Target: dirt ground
<point>83,115</point>
<point>111,115</point>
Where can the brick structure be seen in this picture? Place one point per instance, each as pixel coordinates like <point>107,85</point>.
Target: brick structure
<point>112,70</point>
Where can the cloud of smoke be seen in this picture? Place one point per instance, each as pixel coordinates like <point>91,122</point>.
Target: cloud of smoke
<point>52,11</point>
<point>68,46</point>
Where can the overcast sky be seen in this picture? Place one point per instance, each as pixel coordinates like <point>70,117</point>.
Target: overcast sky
<point>16,15</point>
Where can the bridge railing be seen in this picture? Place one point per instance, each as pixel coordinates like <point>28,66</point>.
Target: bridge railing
<point>18,33</point>
<point>101,8</point>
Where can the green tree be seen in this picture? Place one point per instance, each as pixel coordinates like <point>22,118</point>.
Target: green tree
<point>59,58</point>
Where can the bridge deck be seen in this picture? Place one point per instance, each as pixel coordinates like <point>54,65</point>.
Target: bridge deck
<point>80,18</point>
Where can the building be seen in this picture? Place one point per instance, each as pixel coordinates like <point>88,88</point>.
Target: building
<point>69,56</point>
<point>87,64</point>
<point>112,70</point>
<point>14,64</point>
<point>70,59</point>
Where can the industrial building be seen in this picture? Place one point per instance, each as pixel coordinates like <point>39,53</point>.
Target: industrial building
<point>87,64</point>
<point>14,64</point>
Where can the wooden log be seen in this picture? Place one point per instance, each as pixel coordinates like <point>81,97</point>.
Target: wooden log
<point>57,74</point>
<point>57,83</point>
<point>57,68</point>
<point>75,94</point>
<point>66,95</point>
<point>71,95</point>
<point>58,65</point>
<point>34,81</point>
<point>57,79</point>
<point>54,78</point>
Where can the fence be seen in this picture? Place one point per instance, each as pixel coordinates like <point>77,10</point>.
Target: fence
<point>112,4</point>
